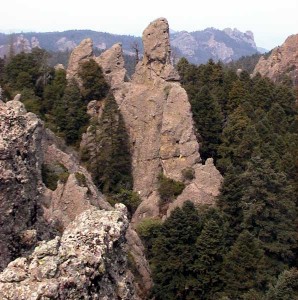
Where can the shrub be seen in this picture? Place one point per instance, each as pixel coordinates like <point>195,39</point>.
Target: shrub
<point>148,230</point>
<point>129,198</point>
<point>49,177</point>
<point>52,173</point>
<point>188,173</point>
<point>168,188</point>
<point>81,179</point>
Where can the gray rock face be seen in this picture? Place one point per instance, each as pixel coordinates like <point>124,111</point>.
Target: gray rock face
<point>20,44</point>
<point>71,197</point>
<point>20,177</point>
<point>25,203</point>
<point>87,262</point>
<point>239,36</point>
<point>225,45</point>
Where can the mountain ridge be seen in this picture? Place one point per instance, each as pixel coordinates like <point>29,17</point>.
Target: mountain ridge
<point>197,46</point>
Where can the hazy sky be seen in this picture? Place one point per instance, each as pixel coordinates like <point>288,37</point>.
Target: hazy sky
<point>270,20</point>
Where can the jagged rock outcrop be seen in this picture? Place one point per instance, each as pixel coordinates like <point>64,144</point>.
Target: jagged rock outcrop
<point>239,36</point>
<point>20,44</point>
<point>25,202</point>
<point>87,262</point>
<point>77,194</point>
<point>112,63</point>
<point>81,53</point>
<point>158,117</point>
<point>282,61</point>
<point>20,178</point>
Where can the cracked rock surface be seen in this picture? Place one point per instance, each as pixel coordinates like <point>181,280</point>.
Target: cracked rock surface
<point>87,262</point>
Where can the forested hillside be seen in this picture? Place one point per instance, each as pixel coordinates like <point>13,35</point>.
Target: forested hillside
<point>246,246</point>
<point>243,248</point>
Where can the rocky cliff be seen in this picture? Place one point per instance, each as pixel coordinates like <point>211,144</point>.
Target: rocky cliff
<point>158,115</point>
<point>159,121</point>
<point>87,262</point>
<point>31,214</point>
<point>26,148</point>
<point>282,61</point>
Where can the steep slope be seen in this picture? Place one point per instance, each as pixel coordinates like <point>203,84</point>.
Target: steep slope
<point>31,213</point>
<point>283,61</point>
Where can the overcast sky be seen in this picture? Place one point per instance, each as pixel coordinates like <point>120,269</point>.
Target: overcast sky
<point>270,20</point>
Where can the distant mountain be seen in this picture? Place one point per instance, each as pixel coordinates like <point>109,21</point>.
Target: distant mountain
<point>67,40</point>
<point>199,46</point>
<point>225,45</point>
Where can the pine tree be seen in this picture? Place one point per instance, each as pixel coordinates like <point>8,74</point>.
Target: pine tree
<point>94,85</point>
<point>70,114</point>
<point>211,247</point>
<point>269,211</point>
<point>173,255</point>
<point>208,120</point>
<point>286,287</point>
<point>244,267</point>
<point>111,163</point>
<point>232,138</point>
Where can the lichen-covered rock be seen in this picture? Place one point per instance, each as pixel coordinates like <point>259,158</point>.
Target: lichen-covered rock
<point>20,177</point>
<point>282,61</point>
<point>28,210</point>
<point>87,262</point>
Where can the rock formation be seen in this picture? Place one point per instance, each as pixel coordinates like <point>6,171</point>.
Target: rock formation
<point>30,212</point>
<point>87,262</point>
<point>25,202</point>
<point>112,63</point>
<point>20,178</point>
<point>282,61</point>
<point>225,45</point>
<point>81,53</point>
<point>158,117</point>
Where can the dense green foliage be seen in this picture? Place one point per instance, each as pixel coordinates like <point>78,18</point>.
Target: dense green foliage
<point>245,63</point>
<point>52,174</point>
<point>242,249</point>
<point>108,158</point>
<point>93,82</point>
<point>168,188</point>
<point>107,152</point>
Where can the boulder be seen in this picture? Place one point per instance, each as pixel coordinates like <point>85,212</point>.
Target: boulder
<point>87,262</point>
